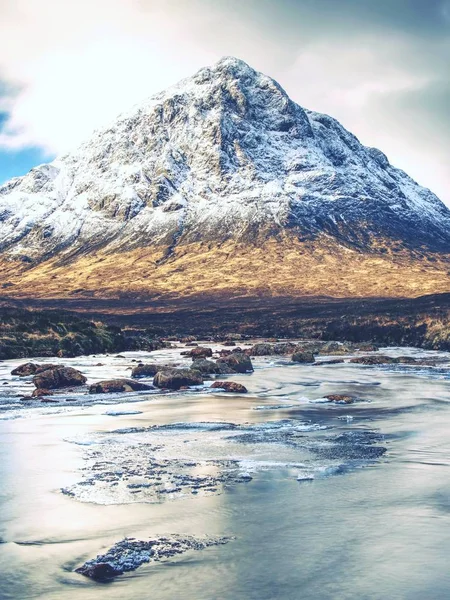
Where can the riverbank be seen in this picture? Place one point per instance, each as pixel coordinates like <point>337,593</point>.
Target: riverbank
<point>420,322</point>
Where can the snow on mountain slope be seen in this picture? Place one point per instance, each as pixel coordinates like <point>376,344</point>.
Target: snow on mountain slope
<point>222,155</point>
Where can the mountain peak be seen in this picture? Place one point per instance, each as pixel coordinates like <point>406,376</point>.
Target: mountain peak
<point>223,157</point>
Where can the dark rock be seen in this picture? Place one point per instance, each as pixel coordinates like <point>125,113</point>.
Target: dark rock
<point>209,367</point>
<point>150,370</point>
<point>174,379</point>
<point>239,362</point>
<point>261,349</point>
<point>230,386</point>
<point>25,369</point>
<point>41,392</point>
<point>99,571</point>
<point>200,352</point>
<point>341,398</point>
<point>32,369</point>
<point>373,360</point>
<point>58,377</point>
<point>333,361</point>
<point>301,356</point>
<point>110,386</point>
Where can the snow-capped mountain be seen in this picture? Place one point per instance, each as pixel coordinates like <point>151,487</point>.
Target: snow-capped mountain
<point>224,154</point>
<point>222,184</point>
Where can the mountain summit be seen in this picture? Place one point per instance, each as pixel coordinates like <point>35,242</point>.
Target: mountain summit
<point>222,183</point>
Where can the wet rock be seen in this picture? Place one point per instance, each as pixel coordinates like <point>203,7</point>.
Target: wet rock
<point>38,393</point>
<point>200,352</point>
<point>373,360</point>
<point>58,377</point>
<point>333,361</point>
<point>129,554</point>
<point>28,369</point>
<point>229,344</point>
<point>301,356</point>
<point>341,398</point>
<point>118,385</point>
<point>174,379</point>
<point>150,370</point>
<point>284,348</point>
<point>266,349</point>
<point>237,361</point>
<point>261,349</point>
<point>209,367</point>
<point>101,571</point>
<point>230,386</point>
<point>25,370</point>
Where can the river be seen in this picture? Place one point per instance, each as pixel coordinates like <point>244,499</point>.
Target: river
<point>322,501</point>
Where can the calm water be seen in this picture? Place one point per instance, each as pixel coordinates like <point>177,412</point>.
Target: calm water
<point>361,529</point>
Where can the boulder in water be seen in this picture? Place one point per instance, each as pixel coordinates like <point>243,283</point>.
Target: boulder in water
<point>111,386</point>
<point>174,379</point>
<point>58,377</point>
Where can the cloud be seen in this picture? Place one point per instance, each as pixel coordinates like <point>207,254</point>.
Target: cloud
<point>381,68</point>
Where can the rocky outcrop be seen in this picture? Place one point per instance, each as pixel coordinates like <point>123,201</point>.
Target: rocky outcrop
<point>237,361</point>
<point>111,386</point>
<point>174,379</point>
<point>229,386</point>
<point>58,377</point>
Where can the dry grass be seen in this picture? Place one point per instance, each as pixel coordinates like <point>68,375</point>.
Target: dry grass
<point>278,267</point>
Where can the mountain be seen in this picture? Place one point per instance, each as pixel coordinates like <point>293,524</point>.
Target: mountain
<point>222,184</point>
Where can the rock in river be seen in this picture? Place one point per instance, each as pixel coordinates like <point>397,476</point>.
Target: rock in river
<point>373,360</point>
<point>129,554</point>
<point>58,377</point>
<point>303,357</point>
<point>149,370</point>
<point>238,361</point>
<point>200,352</point>
<point>230,386</point>
<point>110,386</point>
<point>174,379</point>
<point>209,367</point>
<point>31,369</point>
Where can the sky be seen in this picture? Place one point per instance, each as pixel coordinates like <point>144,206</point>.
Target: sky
<point>381,67</point>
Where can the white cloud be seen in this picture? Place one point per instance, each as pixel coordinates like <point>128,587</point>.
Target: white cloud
<point>72,66</point>
<point>77,65</point>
